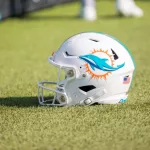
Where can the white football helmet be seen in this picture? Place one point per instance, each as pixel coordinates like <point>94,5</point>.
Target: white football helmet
<point>97,67</point>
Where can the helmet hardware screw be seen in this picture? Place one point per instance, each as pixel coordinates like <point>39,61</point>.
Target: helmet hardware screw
<point>70,73</point>
<point>84,75</point>
<point>62,98</point>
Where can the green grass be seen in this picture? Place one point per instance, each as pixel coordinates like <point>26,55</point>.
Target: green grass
<point>25,45</point>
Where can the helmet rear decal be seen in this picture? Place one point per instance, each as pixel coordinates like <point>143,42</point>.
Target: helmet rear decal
<point>100,64</point>
<point>126,79</point>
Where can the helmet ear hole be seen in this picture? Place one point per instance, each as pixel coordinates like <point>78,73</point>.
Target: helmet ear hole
<point>87,88</point>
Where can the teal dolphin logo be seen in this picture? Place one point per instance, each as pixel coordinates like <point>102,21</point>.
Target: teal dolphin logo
<point>99,63</point>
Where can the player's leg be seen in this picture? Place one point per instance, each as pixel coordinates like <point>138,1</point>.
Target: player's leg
<point>88,10</point>
<point>128,8</point>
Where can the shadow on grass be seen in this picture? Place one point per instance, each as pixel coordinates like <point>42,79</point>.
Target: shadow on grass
<point>33,102</point>
<point>111,16</point>
<point>69,17</point>
<point>65,17</point>
<point>19,101</point>
<point>114,17</point>
<point>47,17</point>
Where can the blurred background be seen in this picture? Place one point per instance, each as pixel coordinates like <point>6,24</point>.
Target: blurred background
<point>19,8</point>
<point>11,8</point>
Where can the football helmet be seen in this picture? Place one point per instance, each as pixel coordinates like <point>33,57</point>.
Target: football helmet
<point>97,69</point>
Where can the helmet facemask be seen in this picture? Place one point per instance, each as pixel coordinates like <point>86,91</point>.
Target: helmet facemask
<point>54,93</point>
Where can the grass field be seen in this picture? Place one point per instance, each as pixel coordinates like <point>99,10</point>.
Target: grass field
<point>25,45</point>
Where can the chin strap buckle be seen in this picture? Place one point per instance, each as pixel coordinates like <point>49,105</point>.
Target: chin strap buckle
<point>92,99</point>
<point>88,101</point>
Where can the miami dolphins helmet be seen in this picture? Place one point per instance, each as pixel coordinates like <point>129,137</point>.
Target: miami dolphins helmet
<point>96,68</point>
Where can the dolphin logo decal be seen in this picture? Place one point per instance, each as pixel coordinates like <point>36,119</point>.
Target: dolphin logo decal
<point>99,63</point>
